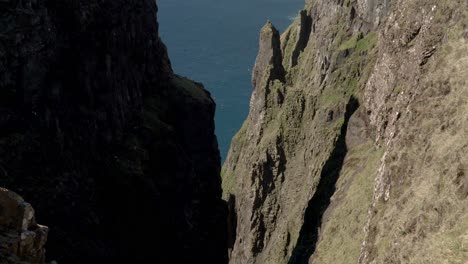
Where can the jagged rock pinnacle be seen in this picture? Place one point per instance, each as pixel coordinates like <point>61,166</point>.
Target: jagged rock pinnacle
<point>269,56</point>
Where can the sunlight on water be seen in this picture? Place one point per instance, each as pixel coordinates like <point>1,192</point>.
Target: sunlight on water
<point>215,42</point>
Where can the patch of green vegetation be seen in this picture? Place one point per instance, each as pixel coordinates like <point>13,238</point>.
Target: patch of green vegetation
<point>352,85</point>
<point>367,43</point>
<point>346,86</point>
<point>352,74</point>
<point>293,75</point>
<point>339,122</point>
<point>359,44</point>
<point>292,111</point>
<point>229,183</point>
<point>240,137</point>
<point>397,90</point>
<point>349,44</point>
<point>276,85</point>
<point>229,180</point>
<point>194,90</point>
<point>342,233</point>
<point>330,97</point>
<point>289,48</point>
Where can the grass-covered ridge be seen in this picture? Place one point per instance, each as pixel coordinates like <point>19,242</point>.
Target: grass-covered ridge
<point>342,233</point>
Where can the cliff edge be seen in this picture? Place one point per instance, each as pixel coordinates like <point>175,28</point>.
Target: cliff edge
<point>116,153</point>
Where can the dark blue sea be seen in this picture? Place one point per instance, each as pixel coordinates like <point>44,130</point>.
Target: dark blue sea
<point>215,42</point>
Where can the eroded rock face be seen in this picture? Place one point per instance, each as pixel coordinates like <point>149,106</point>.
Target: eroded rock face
<point>268,63</point>
<point>21,238</point>
<point>268,69</point>
<point>116,153</point>
<point>372,12</point>
<point>295,39</point>
<point>383,182</point>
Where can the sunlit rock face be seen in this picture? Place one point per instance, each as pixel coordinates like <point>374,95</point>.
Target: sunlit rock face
<point>21,238</point>
<point>357,154</point>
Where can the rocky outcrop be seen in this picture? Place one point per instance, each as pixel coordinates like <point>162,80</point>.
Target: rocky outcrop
<point>268,65</point>
<point>295,39</point>
<point>21,238</point>
<point>268,69</point>
<point>362,158</point>
<point>116,153</point>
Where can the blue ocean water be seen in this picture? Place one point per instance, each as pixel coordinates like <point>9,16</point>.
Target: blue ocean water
<point>215,42</point>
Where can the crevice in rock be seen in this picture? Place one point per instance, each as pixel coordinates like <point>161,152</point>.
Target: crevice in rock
<point>320,201</point>
<point>413,35</point>
<point>305,29</point>
<point>232,221</point>
<point>352,14</point>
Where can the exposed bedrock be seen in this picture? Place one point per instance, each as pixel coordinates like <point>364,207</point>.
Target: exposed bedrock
<point>21,238</point>
<point>314,183</point>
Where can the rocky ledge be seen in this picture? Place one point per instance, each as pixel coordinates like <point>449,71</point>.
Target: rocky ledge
<point>21,238</point>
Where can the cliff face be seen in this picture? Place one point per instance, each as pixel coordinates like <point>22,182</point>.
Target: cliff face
<point>115,152</point>
<point>357,151</point>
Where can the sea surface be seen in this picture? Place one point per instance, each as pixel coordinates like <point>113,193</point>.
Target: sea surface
<point>215,42</point>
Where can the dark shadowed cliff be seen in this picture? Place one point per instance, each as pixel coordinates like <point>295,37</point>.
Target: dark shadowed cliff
<point>116,153</point>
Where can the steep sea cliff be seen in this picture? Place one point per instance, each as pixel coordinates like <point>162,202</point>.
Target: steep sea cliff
<point>354,150</point>
<point>116,153</point>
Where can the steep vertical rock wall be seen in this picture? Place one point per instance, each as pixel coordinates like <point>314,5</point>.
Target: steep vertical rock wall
<point>359,154</point>
<point>116,153</point>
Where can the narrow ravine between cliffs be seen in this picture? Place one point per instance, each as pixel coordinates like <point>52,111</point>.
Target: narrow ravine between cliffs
<point>344,142</point>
